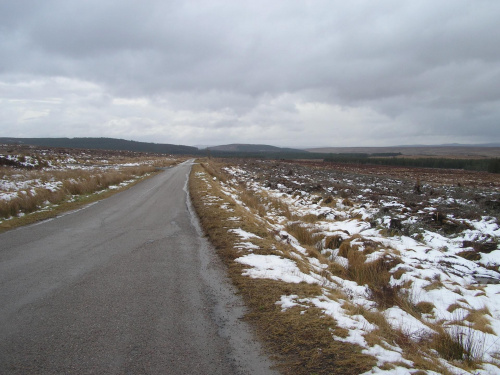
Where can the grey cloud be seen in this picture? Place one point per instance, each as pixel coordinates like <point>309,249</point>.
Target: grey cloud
<point>429,65</point>
<point>260,48</point>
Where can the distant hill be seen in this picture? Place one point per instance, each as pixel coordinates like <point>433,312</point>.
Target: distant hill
<point>238,148</point>
<point>104,144</point>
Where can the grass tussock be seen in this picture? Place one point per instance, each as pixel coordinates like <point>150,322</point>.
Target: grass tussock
<point>375,274</point>
<point>254,202</point>
<point>462,340</point>
<point>279,207</point>
<point>212,167</point>
<point>459,343</point>
<point>425,307</point>
<point>333,242</point>
<point>416,345</point>
<point>304,235</point>
<point>435,284</point>
<point>478,319</point>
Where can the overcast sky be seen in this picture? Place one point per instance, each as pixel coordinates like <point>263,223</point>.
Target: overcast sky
<point>286,73</point>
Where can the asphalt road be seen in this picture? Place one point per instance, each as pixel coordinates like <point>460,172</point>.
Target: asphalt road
<point>125,286</point>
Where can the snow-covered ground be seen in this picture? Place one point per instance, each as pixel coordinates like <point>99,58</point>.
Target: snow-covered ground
<point>29,173</point>
<point>444,266</point>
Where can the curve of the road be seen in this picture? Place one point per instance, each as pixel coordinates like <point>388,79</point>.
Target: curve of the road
<point>125,286</point>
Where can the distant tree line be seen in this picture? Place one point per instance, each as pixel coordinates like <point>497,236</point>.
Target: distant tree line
<point>104,144</point>
<point>494,166</point>
<point>272,155</point>
<point>490,165</point>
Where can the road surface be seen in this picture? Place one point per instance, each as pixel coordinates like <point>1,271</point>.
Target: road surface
<point>125,286</point>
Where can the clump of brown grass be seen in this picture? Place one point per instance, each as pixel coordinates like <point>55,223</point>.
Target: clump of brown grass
<point>425,307</point>
<point>347,202</point>
<point>213,168</point>
<point>415,345</point>
<point>252,201</point>
<point>276,204</point>
<point>435,284</point>
<point>309,218</point>
<point>398,273</point>
<point>463,338</point>
<point>329,200</point>
<point>453,307</point>
<point>304,235</point>
<point>479,321</point>
<point>333,242</point>
<point>376,274</point>
<point>470,255</point>
<point>460,343</point>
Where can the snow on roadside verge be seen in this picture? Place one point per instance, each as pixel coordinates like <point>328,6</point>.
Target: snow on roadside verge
<point>430,264</point>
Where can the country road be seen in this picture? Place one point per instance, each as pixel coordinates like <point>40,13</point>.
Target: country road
<point>125,286</point>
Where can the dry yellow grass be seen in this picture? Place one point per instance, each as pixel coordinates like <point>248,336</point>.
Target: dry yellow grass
<point>301,342</point>
<point>478,319</point>
<point>73,182</point>
<point>301,338</point>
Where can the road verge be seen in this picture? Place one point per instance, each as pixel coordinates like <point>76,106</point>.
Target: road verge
<point>301,342</point>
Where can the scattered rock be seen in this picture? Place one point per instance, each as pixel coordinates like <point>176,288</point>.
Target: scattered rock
<point>481,247</point>
<point>486,280</point>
